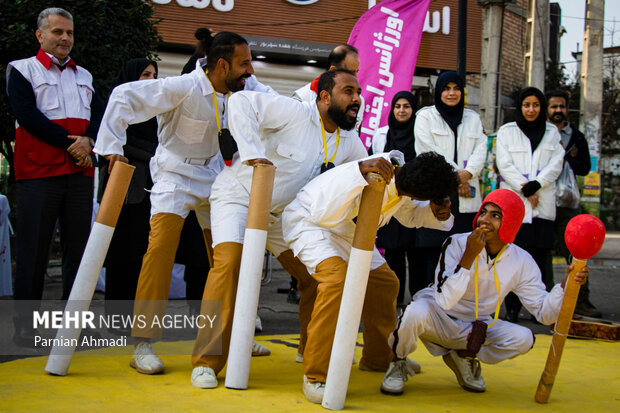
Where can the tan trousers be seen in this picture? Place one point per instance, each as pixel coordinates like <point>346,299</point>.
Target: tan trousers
<point>156,272</point>
<point>306,286</point>
<point>211,348</point>
<point>378,317</point>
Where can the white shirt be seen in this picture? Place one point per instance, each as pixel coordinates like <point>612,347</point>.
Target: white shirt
<point>454,289</point>
<point>185,109</point>
<point>288,133</point>
<point>325,208</point>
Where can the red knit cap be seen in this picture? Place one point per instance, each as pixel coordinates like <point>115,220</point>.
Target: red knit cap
<point>513,211</point>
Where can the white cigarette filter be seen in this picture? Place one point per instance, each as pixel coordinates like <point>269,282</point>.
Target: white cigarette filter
<point>353,294</point>
<point>91,264</point>
<point>250,272</point>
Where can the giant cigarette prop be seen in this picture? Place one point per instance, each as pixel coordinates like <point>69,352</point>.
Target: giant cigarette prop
<point>353,293</point>
<point>584,236</point>
<point>90,266</point>
<point>250,272</point>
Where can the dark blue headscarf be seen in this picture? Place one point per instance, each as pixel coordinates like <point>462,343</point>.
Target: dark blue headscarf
<point>400,134</point>
<point>453,115</point>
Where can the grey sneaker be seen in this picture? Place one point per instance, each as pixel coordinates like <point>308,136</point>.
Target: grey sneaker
<point>413,367</point>
<point>313,391</point>
<point>467,371</point>
<point>394,381</point>
<point>145,360</point>
<point>258,350</point>
<point>204,378</point>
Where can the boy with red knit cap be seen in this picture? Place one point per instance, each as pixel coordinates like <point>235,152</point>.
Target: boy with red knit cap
<point>454,317</point>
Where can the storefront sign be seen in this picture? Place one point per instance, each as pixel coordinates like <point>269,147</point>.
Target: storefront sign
<point>302,2</point>
<point>219,5</point>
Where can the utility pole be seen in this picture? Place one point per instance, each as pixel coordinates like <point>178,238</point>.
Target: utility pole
<point>461,51</point>
<point>538,45</point>
<point>490,90</point>
<point>591,102</point>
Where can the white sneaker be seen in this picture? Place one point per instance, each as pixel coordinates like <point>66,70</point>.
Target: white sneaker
<point>467,371</point>
<point>259,324</point>
<point>258,350</point>
<point>313,391</point>
<point>145,360</point>
<point>394,381</point>
<point>413,367</point>
<point>204,378</point>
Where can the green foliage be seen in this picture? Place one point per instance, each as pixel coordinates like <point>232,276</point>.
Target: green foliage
<point>555,78</point>
<point>107,33</point>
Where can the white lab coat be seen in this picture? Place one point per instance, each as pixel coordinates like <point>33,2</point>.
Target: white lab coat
<point>379,139</point>
<point>288,133</point>
<point>432,133</point>
<point>517,165</point>
<point>188,157</point>
<point>318,224</point>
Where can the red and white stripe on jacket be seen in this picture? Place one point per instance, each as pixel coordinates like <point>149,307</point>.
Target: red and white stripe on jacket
<point>64,97</point>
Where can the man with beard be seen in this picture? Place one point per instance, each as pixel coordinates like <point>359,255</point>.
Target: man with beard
<point>578,158</point>
<point>191,111</point>
<point>301,139</point>
<point>343,56</point>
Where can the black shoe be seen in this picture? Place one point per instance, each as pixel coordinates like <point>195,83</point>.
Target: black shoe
<point>512,315</point>
<point>586,309</point>
<point>293,296</point>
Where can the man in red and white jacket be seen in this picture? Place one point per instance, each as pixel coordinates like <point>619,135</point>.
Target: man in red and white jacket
<point>57,116</point>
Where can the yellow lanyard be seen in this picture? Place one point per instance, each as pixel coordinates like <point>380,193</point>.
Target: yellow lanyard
<point>390,204</point>
<point>392,201</point>
<point>325,142</point>
<point>217,113</point>
<point>496,284</point>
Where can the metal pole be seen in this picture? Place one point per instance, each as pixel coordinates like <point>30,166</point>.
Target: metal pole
<point>461,52</point>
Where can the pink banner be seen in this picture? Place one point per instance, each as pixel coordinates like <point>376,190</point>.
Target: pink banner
<point>388,39</point>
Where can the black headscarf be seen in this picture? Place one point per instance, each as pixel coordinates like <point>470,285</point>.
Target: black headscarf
<point>451,114</point>
<point>533,130</point>
<point>400,134</point>
<point>131,71</point>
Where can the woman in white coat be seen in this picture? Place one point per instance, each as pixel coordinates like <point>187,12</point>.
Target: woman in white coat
<point>398,240</point>
<point>529,160</point>
<point>456,133</point>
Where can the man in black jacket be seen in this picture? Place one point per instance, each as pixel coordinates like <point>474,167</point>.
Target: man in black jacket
<point>578,157</point>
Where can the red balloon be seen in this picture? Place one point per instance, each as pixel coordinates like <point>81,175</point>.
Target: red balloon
<point>584,236</point>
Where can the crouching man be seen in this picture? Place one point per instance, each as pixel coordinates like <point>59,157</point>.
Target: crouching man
<point>319,227</point>
<point>475,272</point>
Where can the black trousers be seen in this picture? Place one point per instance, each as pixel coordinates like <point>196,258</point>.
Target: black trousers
<point>124,258</point>
<point>42,202</point>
